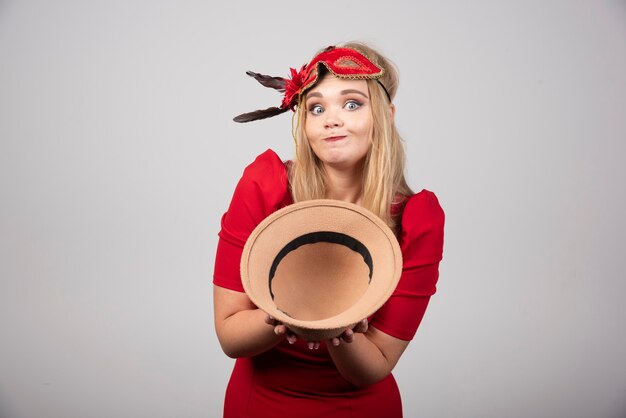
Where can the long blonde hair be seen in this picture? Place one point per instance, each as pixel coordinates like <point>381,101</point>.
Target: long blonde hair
<point>384,183</point>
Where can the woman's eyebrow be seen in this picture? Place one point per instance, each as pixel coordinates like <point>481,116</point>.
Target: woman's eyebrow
<point>342,92</point>
<point>348,91</point>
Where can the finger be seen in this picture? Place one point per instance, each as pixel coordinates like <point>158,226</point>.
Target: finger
<point>291,338</point>
<point>269,319</point>
<point>348,336</point>
<point>280,330</point>
<point>362,326</point>
<point>335,341</point>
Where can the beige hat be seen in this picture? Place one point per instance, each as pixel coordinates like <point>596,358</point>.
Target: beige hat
<point>321,266</point>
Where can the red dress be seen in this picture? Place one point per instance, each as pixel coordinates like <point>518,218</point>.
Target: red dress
<point>291,380</point>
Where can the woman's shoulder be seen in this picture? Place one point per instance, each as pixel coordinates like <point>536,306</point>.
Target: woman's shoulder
<point>265,165</point>
<point>423,205</point>
<point>264,183</point>
<point>261,190</point>
<point>422,225</point>
<point>266,171</point>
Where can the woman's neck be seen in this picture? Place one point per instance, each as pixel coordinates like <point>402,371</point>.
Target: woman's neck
<point>345,184</point>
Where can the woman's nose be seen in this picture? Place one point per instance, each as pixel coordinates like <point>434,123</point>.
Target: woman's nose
<point>332,119</point>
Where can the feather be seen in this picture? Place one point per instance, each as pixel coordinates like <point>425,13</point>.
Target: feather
<point>276,83</point>
<point>260,114</point>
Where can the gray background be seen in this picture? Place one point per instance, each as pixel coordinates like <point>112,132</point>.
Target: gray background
<point>118,156</point>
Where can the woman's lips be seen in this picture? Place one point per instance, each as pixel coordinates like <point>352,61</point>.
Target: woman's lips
<point>334,138</point>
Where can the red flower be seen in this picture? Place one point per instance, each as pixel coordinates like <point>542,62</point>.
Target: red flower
<point>293,87</point>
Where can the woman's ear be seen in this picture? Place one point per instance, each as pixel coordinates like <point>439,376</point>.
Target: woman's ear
<point>392,109</point>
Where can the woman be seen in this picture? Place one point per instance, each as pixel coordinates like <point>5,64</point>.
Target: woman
<point>347,149</point>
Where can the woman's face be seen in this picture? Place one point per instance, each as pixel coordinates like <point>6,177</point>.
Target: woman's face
<point>339,121</point>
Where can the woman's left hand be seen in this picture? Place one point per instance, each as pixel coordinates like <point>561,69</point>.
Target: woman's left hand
<point>348,335</point>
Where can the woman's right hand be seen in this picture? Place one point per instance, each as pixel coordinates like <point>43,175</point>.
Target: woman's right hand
<point>281,329</point>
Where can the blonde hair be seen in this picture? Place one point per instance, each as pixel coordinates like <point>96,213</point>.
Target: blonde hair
<point>384,184</point>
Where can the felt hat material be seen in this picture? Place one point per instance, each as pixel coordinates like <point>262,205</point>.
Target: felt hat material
<point>321,266</point>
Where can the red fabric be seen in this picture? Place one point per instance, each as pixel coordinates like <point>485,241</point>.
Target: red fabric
<point>290,380</point>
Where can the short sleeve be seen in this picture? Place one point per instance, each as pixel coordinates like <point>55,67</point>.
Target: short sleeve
<point>421,242</point>
<point>262,189</point>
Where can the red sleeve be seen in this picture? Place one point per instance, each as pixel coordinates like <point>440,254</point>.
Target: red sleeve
<point>421,241</point>
<point>262,189</point>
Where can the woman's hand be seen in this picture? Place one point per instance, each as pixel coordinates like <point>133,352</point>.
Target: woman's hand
<point>281,329</point>
<point>348,335</point>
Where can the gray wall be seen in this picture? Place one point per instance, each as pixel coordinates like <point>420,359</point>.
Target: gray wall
<point>118,156</point>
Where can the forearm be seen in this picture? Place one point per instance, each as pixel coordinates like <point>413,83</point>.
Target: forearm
<point>245,334</point>
<point>361,362</point>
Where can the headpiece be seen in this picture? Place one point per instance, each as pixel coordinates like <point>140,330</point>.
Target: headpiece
<point>345,63</point>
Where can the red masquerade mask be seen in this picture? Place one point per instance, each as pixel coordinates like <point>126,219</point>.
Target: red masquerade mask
<point>342,62</point>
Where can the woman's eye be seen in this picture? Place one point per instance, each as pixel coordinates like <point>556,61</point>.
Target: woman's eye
<point>353,105</point>
<point>316,109</point>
